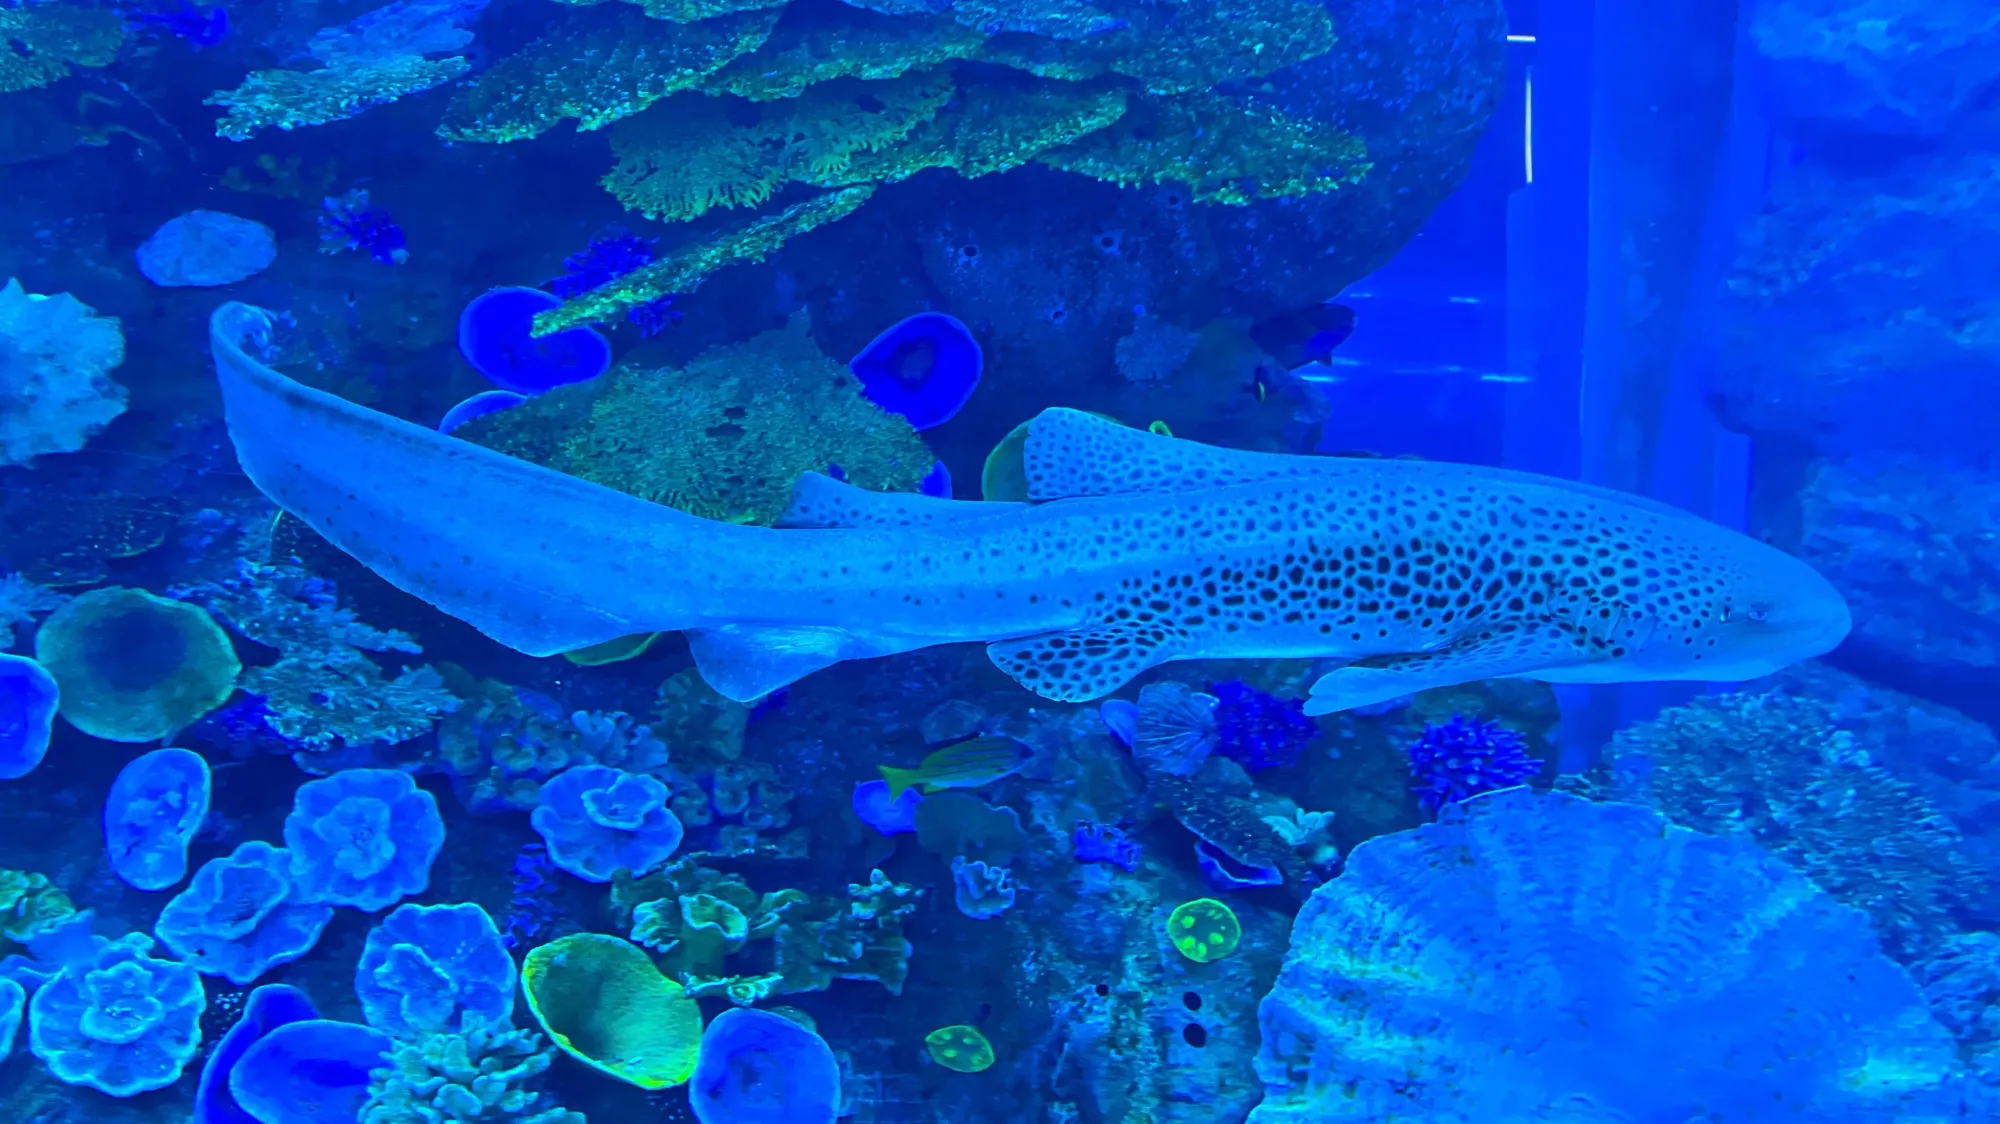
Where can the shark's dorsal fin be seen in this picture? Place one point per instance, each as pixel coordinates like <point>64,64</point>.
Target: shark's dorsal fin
<point>1072,453</point>
<point>819,500</point>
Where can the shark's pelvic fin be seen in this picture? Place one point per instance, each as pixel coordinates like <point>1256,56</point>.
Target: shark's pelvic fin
<point>1086,663</point>
<point>819,500</point>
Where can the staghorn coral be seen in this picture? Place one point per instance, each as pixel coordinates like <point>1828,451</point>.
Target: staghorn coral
<point>1777,769</point>
<point>726,436</point>
<point>598,75</point>
<point>685,267</point>
<point>1226,149</point>
<point>693,152</point>
<point>863,45</point>
<point>43,44</point>
<point>56,356</point>
<point>487,1073</point>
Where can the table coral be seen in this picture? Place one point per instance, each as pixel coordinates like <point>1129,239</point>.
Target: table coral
<point>863,45</point>
<point>42,44</point>
<point>56,358</point>
<point>597,72</point>
<point>724,437</point>
<point>1457,971</point>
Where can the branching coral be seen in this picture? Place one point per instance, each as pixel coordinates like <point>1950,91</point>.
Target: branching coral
<point>41,44</point>
<point>726,436</point>
<point>693,153</point>
<point>1777,769</point>
<point>486,1073</point>
<point>56,356</point>
<point>598,74</point>
<point>684,268</point>
<point>1226,149</point>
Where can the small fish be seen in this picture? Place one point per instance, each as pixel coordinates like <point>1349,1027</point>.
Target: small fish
<point>1304,335</point>
<point>967,764</point>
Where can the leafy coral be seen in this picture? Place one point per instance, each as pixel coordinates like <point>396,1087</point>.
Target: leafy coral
<point>1226,149</point>
<point>598,73</point>
<point>42,44</point>
<point>724,437</point>
<point>865,45</point>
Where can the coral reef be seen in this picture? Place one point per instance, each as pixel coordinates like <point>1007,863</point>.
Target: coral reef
<point>1374,1013</point>
<point>41,44</point>
<point>504,744</point>
<point>723,437</point>
<point>118,1020</point>
<point>56,358</point>
<point>1778,770</point>
<point>759,1066</point>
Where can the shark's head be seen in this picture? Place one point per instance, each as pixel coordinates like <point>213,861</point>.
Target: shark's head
<point>1755,611</point>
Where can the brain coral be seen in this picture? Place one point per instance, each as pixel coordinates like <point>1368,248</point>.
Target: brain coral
<point>134,667</point>
<point>56,356</point>
<point>1542,957</point>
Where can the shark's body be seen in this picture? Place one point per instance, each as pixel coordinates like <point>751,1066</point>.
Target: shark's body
<point>1138,550</point>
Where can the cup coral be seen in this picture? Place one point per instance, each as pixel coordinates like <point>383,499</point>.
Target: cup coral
<point>429,968</point>
<point>597,821</point>
<point>1463,971</point>
<point>494,335</point>
<point>363,837</point>
<point>56,356</point>
<point>155,806</point>
<point>29,699</point>
<point>134,667</point>
<point>117,1019</point>
<point>602,1002</point>
<point>240,917</point>
<point>923,367</point>
<point>759,1068</point>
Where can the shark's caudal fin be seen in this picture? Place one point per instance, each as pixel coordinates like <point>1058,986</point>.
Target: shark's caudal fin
<point>539,561</point>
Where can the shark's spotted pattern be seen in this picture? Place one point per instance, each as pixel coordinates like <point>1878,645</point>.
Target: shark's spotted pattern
<point>1141,549</point>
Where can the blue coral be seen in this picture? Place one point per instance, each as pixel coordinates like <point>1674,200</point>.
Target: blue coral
<point>365,838</point>
<point>239,917</point>
<point>117,1019</point>
<point>597,821</point>
<point>431,968</point>
<point>265,1010</point>
<point>156,804</point>
<point>1259,730</point>
<point>981,892</point>
<point>1537,956</point>
<point>28,700</point>
<point>759,1068</point>
<point>1455,760</point>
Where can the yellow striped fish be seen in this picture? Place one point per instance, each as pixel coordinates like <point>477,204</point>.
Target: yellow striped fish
<point>967,764</point>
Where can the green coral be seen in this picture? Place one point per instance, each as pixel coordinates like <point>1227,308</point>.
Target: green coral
<point>859,937</point>
<point>1226,150</point>
<point>43,44</point>
<point>726,436</point>
<point>291,99</point>
<point>1175,48</point>
<point>680,270</point>
<point>598,74</point>
<point>1778,770</point>
<point>697,152</point>
<point>990,128</point>
<point>482,1074</point>
<point>687,11</point>
<point>29,905</point>
<point>863,45</point>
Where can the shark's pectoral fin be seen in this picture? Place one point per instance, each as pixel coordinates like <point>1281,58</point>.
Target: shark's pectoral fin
<point>1518,650</point>
<point>819,500</point>
<point>746,662</point>
<point>1086,663</point>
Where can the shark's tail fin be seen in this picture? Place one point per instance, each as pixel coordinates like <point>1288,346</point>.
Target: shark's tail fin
<point>542,562</point>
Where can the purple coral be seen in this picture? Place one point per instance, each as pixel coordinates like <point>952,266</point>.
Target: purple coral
<point>1258,730</point>
<point>1459,759</point>
<point>1105,843</point>
<point>608,257</point>
<point>351,222</point>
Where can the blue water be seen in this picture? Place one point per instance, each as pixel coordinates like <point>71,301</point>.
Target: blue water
<point>1733,259</point>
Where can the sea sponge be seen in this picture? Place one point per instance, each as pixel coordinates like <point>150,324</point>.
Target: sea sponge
<point>601,1001</point>
<point>362,837</point>
<point>756,1067</point>
<point>1460,971</point>
<point>118,1020</point>
<point>597,821</point>
<point>56,355</point>
<point>430,968</point>
<point>156,804</point>
<point>29,699</point>
<point>134,667</point>
<point>238,918</point>
<point>724,437</point>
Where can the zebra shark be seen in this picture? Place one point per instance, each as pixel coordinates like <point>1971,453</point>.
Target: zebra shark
<point>1133,550</point>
